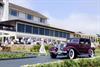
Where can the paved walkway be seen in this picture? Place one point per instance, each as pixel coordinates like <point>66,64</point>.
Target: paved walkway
<point>20,62</point>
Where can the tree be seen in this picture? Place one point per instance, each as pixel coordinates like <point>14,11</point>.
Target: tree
<point>98,35</point>
<point>99,40</point>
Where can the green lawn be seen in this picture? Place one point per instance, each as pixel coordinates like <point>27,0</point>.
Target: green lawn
<point>18,55</point>
<point>97,51</point>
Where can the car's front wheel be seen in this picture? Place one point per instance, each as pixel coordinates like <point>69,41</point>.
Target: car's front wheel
<point>53,55</point>
<point>91,53</point>
<point>71,54</point>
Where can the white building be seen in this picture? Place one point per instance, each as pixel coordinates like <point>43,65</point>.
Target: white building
<point>9,11</point>
<point>19,23</point>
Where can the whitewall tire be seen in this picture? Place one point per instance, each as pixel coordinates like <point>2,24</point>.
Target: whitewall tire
<point>91,53</point>
<point>71,54</point>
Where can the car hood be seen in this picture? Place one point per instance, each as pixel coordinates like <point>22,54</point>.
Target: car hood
<point>71,44</point>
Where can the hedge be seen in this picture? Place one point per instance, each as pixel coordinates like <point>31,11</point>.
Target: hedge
<point>36,48</point>
<point>6,56</point>
<point>70,63</point>
<point>24,48</point>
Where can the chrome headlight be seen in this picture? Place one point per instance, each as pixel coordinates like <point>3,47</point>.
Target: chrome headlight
<point>64,45</point>
<point>55,45</point>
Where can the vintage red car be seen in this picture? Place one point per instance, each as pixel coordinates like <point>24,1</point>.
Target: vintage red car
<point>76,47</point>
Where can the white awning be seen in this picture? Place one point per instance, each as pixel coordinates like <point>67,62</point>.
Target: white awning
<point>5,35</point>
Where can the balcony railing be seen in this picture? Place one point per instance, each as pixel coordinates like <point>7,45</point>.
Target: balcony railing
<point>8,29</point>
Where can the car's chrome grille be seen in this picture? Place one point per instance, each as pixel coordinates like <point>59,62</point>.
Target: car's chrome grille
<point>60,48</point>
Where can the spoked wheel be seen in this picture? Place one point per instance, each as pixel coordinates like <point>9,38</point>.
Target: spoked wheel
<point>91,53</point>
<point>71,54</point>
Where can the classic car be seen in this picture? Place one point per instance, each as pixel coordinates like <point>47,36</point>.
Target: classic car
<point>75,48</point>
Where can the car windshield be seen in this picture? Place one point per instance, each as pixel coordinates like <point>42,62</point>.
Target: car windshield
<point>74,41</point>
<point>60,45</point>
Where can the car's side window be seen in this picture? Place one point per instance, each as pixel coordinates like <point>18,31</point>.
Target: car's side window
<point>74,41</point>
<point>87,42</point>
<point>82,41</point>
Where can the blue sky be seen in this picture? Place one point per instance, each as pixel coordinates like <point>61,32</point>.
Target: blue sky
<point>75,15</point>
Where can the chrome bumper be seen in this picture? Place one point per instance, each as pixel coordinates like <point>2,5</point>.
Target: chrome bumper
<point>59,52</point>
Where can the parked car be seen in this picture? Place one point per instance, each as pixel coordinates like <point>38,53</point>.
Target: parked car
<point>76,47</point>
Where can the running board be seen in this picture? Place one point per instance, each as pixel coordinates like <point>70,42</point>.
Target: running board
<point>83,55</point>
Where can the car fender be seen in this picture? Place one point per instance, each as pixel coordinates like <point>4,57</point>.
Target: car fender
<point>92,49</point>
<point>71,47</point>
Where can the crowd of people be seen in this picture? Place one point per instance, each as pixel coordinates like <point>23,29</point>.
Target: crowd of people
<point>28,41</point>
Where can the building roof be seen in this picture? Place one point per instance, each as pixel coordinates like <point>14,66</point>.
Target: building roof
<point>26,10</point>
<point>18,20</point>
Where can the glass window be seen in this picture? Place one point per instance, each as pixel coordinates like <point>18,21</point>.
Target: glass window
<point>30,17</point>
<point>68,35</point>
<point>64,35</point>
<point>13,12</point>
<point>60,34</point>
<point>51,32</point>
<point>20,27</point>
<point>47,32</point>
<point>28,29</point>
<point>82,41</point>
<point>41,31</point>
<point>56,33</point>
<point>74,41</point>
<point>35,30</point>
<point>87,42</point>
<point>42,20</point>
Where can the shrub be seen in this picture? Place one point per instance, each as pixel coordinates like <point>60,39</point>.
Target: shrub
<point>4,56</point>
<point>17,48</point>
<point>7,49</point>
<point>35,48</point>
<point>47,47</point>
<point>24,48</point>
<point>89,62</point>
<point>71,63</point>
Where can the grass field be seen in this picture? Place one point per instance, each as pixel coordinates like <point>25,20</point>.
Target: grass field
<point>97,51</point>
<point>12,55</point>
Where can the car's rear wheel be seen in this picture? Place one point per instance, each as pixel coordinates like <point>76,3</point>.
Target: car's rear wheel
<point>53,55</point>
<point>91,53</point>
<point>71,54</point>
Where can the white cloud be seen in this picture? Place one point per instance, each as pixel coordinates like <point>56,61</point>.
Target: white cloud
<point>25,3</point>
<point>79,22</point>
<point>75,21</point>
